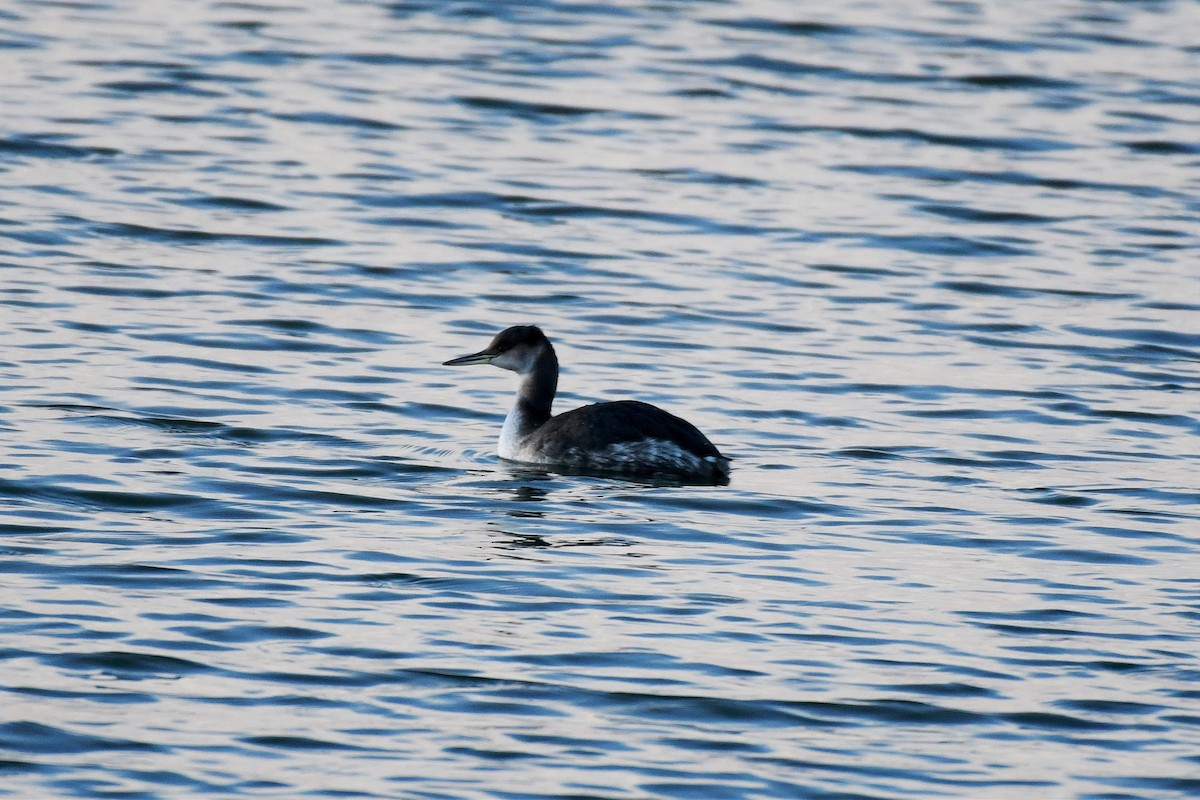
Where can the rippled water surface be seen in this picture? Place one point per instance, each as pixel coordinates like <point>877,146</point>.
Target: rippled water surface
<point>926,270</point>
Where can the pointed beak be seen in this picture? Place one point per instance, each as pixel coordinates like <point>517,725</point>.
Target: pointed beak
<point>482,357</point>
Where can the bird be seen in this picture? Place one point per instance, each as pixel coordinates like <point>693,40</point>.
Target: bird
<point>628,437</point>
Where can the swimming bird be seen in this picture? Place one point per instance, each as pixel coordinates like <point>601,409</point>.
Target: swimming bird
<point>625,436</point>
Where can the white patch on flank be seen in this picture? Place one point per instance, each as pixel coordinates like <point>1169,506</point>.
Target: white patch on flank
<point>646,455</point>
<point>640,455</point>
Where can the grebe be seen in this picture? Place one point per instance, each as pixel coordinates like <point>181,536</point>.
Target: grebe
<point>625,436</point>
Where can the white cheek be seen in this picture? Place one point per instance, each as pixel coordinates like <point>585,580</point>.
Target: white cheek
<point>504,361</point>
<point>516,360</point>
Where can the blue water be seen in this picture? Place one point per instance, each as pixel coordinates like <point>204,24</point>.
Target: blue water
<point>926,270</point>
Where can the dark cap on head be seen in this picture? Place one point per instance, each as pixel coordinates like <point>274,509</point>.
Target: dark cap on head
<point>516,336</point>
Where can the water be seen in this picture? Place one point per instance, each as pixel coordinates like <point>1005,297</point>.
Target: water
<point>926,270</point>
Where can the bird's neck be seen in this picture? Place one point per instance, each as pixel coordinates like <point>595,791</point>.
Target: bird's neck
<point>535,397</point>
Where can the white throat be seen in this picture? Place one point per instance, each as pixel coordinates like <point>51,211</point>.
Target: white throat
<point>529,411</point>
<point>510,434</point>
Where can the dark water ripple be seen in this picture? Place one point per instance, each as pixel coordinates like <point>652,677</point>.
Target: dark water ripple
<point>926,270</point>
